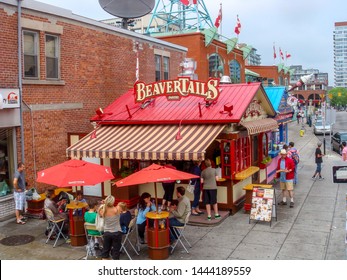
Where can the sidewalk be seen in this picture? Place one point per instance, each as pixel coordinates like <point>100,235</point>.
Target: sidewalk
<point>314,229</point>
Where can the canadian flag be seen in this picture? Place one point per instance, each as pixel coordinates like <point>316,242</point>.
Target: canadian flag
<point>281,54</point>
<point>275,52</point>
<point>219,18</point>
<point>188,2</point>
<point>288,55</point>
<point>238,26</point>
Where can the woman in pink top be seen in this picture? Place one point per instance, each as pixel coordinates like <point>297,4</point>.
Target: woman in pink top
<point>344,151</point>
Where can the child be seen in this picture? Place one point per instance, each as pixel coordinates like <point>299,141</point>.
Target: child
<point>125,217</point>
<point>90,217</point>
<point>79,198</point>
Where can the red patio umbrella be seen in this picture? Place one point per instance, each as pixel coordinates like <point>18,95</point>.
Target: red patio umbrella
<point>75,172</point>
<point>153,174</point>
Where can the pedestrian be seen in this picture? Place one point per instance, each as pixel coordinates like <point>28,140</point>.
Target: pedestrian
<point>197,188</point>
<point>179,211</point>
<point>112,230</point>
<point>169,188</point>
<point>344,151</point>
<point>293,153</point>
<point>298,116</point>
<point>319,160</point>
<point>209,179</point>
<point>285,171</point>
<point>19,193</point>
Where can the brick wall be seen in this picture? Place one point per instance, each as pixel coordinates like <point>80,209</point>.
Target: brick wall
<point>97,65</point>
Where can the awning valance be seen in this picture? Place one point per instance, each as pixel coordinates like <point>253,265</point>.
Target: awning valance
<point>145,142</point>
<point>254,127</point>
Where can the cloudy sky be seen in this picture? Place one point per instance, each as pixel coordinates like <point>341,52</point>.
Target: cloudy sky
<point>303,28</point>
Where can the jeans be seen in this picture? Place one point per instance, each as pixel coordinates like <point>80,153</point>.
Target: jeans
<point>174,222</point>
<point>197,192</point>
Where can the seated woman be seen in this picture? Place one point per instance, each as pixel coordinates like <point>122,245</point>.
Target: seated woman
<point>90,217</point>
<point>145,205</point>
<point>55,207</point>
<point>125,217</point>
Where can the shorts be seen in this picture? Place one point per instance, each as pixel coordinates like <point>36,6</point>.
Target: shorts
<point>19,200</point>
<point>289,186</point>
<point>210,196</point>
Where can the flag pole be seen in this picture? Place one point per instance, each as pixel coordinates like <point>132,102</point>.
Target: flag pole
<point>221,12</point>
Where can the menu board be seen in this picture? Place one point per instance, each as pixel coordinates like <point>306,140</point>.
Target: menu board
<point>262,204</point>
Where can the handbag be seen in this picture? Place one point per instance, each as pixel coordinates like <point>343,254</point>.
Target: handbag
<point>191,187</point>
<point>99,223</point>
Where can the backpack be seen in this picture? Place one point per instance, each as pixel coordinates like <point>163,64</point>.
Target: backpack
<point>294,155</point>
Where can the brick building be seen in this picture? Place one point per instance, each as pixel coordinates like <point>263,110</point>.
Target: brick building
<point>70,66</point>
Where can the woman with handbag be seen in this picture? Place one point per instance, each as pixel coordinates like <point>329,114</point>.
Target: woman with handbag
<point>197,191</point>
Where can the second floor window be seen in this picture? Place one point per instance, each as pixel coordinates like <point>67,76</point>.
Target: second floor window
<point>52,57</point>
<point>30,46</point>
<point>157,68</point>
<point>166,69</point>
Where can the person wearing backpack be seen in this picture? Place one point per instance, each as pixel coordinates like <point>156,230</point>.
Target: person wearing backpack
<point>293,153</point>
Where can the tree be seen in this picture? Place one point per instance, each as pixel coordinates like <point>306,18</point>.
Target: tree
<point>338,96</point>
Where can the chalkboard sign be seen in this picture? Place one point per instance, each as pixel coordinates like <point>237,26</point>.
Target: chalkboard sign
<point>263,204</point>
<point>340,174</point>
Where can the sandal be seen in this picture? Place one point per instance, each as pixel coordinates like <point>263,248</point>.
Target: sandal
<point>20,222</point>
<point>195,214</point>
<point>200,212</point>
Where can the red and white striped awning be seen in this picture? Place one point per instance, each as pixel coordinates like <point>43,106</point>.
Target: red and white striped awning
<point>263,125</point>
<point>147,142</point>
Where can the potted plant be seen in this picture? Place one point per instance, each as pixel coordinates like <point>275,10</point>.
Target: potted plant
<point>265,162</point>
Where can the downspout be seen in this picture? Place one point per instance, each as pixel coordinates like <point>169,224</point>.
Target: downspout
<point>20,77</point>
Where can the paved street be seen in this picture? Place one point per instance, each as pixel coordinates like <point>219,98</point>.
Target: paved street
<point>314,229</point>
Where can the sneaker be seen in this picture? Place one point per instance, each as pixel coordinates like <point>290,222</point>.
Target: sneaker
<point>313,178</point>
<point>321,178</point>
<point>217,216</point>
<point>291,205</point>
<point>209,218</point>
<point>282,203</point>
<point>142,241</point>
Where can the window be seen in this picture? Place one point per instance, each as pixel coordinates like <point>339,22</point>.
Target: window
<point>30,45</point>
<point>216,69</point>
<point>52,57</point>
<point>166,64</point>
<point>157,68</point>
<point>235,72</point>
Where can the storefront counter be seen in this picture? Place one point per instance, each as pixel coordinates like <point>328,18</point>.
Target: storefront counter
<point>77,234</point>
<point>248,198</point>
<point>158,235</point>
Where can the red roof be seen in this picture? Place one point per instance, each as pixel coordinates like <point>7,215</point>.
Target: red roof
<point>124,110</point>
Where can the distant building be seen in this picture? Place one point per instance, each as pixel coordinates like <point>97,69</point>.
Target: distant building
<point>340,54</point>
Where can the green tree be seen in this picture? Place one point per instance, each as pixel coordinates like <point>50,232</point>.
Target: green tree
<point>338,96</point>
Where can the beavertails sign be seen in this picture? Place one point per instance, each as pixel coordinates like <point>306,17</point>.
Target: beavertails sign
<point>175,89</point>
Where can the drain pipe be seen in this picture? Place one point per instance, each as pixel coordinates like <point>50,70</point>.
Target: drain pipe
<point>19,14</point>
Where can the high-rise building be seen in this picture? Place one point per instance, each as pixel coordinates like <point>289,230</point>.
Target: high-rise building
<point>340,54</point>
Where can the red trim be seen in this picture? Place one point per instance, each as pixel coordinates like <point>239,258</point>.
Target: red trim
<point>168,122</point>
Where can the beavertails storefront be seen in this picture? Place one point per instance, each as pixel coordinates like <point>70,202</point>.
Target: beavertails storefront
<point>181,121</point>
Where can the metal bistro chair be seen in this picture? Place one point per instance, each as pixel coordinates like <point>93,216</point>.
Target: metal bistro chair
<point>90,237</point>
<point>56,226</point>
<point>179,232</point>
<point>131,229</point>
<point>138,244</point>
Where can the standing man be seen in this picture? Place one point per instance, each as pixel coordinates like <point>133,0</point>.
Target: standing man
<point>19,192</point>
<point>179,211</point>
<point>209,179</point>
<point>285,168</point>
<point>319,160</point>
<point>293,153</point>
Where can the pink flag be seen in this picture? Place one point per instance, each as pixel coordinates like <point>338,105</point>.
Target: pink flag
<point>188,2</point>
<point>288,55</point>
<point>219,17</point>
<point>281,54</point>
<point>238,26</point>
<point>275,52</point>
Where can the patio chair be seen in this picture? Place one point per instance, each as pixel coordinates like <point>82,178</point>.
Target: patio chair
<point>138,244</point>
<point>131,230</point>
<point>56,227</point>
<point>179,232</point>
<point>90,239</point>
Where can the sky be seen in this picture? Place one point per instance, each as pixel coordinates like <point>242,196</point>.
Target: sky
<point>302,28</point>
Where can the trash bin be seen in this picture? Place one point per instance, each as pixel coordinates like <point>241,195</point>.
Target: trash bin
<point>302,132</point>
<point>158,235</point>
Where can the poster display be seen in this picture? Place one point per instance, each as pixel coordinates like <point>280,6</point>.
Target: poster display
<point>262,204</point>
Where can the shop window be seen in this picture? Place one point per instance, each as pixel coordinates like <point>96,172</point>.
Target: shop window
<point>235,71</point>
<point>52,57</point>
<point>157,68</point>
<point>30,46</point>
<point>166,67</point>
<point>255,152</point>
<point>6,162</point>
<point>216,68</point>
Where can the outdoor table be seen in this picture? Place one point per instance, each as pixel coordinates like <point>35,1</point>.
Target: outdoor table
<point>158,235</point>
<point>248,198</point>
<point>77,234</point>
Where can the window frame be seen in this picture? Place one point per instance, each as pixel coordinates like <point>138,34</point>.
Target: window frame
<point>157,58</point>
<point>56,57</point>
<point>166,64</point>
<point>35,55</point>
